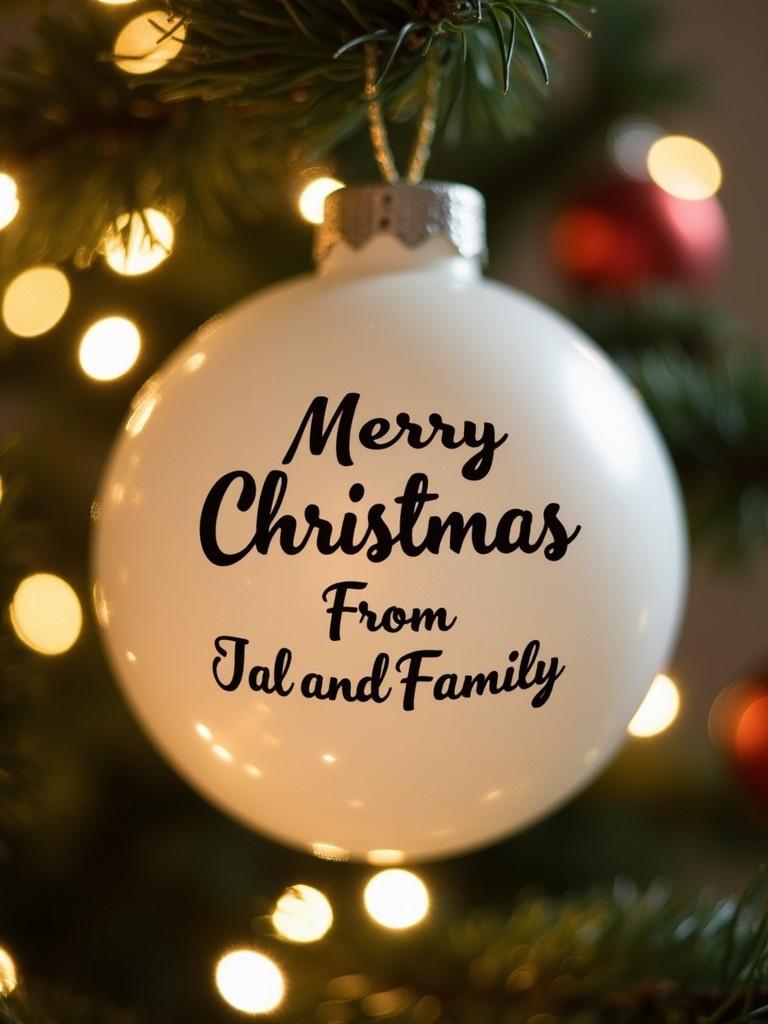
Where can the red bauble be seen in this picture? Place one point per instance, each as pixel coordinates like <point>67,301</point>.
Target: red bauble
<point>625,234</point>
<point>739,725</point>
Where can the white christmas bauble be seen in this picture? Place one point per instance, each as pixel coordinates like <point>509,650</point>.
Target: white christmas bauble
<point>388,557</point>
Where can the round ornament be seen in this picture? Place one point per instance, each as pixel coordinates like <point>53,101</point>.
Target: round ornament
<point>739,726</point>
<point>389,555</point>
<point>625,234</point>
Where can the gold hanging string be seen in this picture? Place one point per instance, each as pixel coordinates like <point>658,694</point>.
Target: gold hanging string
<point>376,127</point>
<point>422,146</point>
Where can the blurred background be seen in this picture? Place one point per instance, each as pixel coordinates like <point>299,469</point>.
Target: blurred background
<point>118,881</point>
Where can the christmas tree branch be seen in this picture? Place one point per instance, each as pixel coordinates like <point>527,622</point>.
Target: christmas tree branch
<point>618,956</point>
<point>708,391</point>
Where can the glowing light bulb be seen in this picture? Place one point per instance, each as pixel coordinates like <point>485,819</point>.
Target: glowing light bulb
<point>109,348</point>
<point>302,914</point>
<point>35,301</point>
<point>684,167</point>
<point>46,614</point>
<point>9,200</point>
<point>8,975</point>
<point>146,244</point>
<point>313,198</point>
<point>396,898</point>
<point>658,711</point>
<point>250,981</point>
<point>148,42</point>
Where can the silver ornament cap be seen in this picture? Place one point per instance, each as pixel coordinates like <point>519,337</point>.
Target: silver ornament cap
<point>410,213</point>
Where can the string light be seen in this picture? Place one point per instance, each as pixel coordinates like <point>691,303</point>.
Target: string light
<point>396,898</point>
<point>9,200</point>
<point>302,914</point>
<point>313,196</point>
<point>46,614</point>
<point>35,301</point>
<point>8,975</point>
<point>138,242</point>
<point>684,167</point>
<point>250,981</point>
<point>148,42</point>
<point>658,711</point>
<point>109,348</point>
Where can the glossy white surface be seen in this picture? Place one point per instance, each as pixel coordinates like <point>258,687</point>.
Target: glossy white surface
<point>417,333</point>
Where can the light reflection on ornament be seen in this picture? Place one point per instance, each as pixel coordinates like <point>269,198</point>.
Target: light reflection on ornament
<point>396,899</point>
<point>9,978</point>
<point>302,914</point>
<point>751,734</point>
<point>148,42</point>
<point>138,242</point>
<point>250,981</point>
<point>313,196</point>
<point>658,711</point>
<point>329,851</point>
<point>45,613</point>
<point>9,200</point>
<point>35,301</point>
<point>684,167</point>
<point>109,348</point>
<point>385,858</point>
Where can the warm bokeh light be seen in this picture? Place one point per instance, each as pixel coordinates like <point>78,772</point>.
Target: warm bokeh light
<point>684,167</point>
<point>250,981</point>
<point>396,898</point>
<point>109,348</point>
<point>313,196</point>
<point>116,3</point>
<point>629,141</point>
<point>148,42</point>
<point>302,914</point>
<point>138,242</point>
<point>9,200</point>
<point>46,614</point>
<point>8,975</point>
<point>659,709</point>
<point>35,301</point>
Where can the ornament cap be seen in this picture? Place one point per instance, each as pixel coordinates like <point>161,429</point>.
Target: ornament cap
<point>411,213</point>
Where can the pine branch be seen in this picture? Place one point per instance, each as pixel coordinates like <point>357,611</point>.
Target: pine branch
<point>715,419</point>
<point>620,955</point>
<point>85,146</point>
<point>299,66</point>
<point>616,956</point>
<point>708,391</point>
